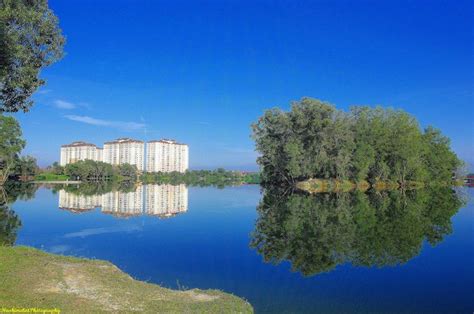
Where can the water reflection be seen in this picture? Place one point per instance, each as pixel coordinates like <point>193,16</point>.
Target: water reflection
<point>10,223</point>
<point>120,204</point>
<point>78,203</point>
<point>166,200</point>
<point>156,200</point>
<point>315,233</point>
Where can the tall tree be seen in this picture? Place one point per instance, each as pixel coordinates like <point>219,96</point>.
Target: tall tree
<point>30,39</point>
<point>441,162</point>
<point>25,166</point>
<point>11,144</point>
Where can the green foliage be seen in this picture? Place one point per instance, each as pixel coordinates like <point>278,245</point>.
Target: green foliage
<point>318,232</point>
<point>95,171</point>
<point>30,39</point>
<point>219,178</point>
<point>56,168</point>
<point>11,144</point>
<point>89,170</point>
<point>51,177</point>
<point>127,172</point>
<point>54,172</point>
<point>440,160</point>
<point>25,167</point>
<point>315,140</point>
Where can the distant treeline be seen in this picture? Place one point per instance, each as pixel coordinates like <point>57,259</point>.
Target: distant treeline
<point>96,171</point>
<point>316,140</point>
<point>219,177</point>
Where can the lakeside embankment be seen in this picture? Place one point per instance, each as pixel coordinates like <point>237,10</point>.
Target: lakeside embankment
<point>32,278</point>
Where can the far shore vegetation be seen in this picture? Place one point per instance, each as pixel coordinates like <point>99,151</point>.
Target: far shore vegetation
<point>15,167</point>
<point>95,171</point>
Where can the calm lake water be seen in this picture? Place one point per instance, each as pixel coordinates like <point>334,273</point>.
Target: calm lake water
<point>391,252</point>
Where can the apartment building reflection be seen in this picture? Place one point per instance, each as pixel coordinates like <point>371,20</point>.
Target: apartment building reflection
<point>166,200</point>
<point>78,203</point>
<point>123,204</point>
<point>155,200</point>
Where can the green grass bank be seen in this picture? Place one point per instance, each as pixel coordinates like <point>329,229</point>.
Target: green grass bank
<point>30,278</point>
<point>51,177</point>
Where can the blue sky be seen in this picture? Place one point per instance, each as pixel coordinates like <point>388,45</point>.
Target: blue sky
<point>202,71</point>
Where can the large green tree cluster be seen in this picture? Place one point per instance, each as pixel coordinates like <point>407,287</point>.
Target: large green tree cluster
<point>316,140</point>
<point>89,170</point>
<point>97,171</point>
<point>30,39</point>
<point>318,232</point>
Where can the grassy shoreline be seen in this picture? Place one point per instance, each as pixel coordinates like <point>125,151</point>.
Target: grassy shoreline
<point>33,278</point>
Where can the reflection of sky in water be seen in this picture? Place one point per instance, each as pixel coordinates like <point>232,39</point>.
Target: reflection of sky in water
<point>95,231</point>
<point>208,247</point>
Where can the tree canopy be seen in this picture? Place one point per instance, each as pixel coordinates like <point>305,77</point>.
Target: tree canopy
<point>89,170</point>
<point>30,39</point>
<point>316,140</point>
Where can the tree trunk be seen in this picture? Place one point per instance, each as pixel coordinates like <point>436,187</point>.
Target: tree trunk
<point>5,173</point>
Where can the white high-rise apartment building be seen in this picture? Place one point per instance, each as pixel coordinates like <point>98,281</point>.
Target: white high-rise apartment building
<point>167,156</point>
<point>125,151</point>
<point>162,156</point>
<point>76,151</point>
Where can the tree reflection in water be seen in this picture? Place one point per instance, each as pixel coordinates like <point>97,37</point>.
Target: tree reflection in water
<point>315,233</point>
<point>9,220</point>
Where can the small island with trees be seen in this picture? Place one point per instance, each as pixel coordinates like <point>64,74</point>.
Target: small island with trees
<point>317,147</point>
